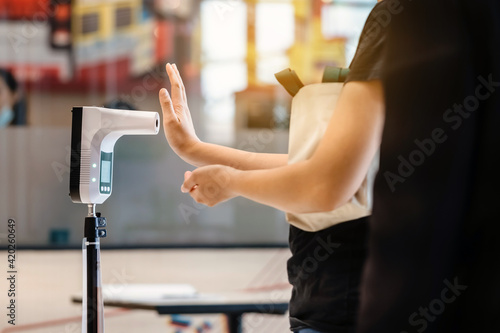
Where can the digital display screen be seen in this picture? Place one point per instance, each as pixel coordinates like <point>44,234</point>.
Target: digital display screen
<point>106,172</point>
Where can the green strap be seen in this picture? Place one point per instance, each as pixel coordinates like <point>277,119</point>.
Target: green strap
<point>335,74</point>
<point>289,80</point>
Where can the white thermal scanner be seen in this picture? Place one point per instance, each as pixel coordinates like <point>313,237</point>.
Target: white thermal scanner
<point>94,133</point>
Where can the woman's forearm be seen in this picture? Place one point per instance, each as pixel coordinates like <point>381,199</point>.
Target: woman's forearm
<point>203,154</point>
<point>294,188</point>
<point>291,188</point>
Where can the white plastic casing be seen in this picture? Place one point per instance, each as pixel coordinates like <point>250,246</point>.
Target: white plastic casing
<point>100,129</point>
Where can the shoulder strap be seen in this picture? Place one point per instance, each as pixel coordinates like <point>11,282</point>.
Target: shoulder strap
<point>289,80</point>
<point>335,74</point>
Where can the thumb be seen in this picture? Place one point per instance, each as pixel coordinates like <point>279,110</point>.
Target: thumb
<point>166,105</point>
<point>189,183</point>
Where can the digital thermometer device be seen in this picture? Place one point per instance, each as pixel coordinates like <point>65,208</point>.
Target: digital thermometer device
<point>94,133</point>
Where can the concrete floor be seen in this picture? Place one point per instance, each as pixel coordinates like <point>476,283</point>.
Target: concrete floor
<point>46,280</point>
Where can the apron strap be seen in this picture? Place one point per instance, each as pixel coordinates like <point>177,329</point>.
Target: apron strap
<point>289,80</point>
<point>335,74</point>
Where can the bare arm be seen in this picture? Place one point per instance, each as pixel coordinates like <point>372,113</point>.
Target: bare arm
<point>327,180</point>
<point>203,154</point>
<point>181,136</point>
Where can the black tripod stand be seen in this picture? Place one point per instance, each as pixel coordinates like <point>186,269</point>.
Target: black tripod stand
<point>92,303</point>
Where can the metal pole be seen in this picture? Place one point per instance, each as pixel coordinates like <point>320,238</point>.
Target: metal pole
<point>91,210</point>
<point>92,233</point>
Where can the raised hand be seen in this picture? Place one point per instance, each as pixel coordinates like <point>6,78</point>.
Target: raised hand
<point>177,122</point>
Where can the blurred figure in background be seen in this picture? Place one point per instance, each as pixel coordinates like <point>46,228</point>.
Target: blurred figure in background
<point>12,106</point>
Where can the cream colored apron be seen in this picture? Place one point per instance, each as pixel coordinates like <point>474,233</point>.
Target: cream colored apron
<point>312,108</point>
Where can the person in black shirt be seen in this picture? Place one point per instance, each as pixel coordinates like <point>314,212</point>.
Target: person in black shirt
<point>433,263</point>
<point>325,295</point>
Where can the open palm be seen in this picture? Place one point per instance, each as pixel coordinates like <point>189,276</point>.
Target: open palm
<point>177,122</point>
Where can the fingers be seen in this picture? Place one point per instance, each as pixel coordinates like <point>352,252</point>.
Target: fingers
<point>179,78</point>
<point>166,106</point>
<point>181,81</point>
<point>178,93</point>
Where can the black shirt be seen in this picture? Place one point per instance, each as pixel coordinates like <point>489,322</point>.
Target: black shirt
<point>325,267</point>
<point>368,60</point>
<point>434,254</point>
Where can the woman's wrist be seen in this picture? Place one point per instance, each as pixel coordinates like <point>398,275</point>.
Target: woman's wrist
<point>235,179</point>
<point>197,153</point>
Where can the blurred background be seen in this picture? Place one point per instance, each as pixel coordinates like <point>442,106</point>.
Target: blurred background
<point>64,53</point>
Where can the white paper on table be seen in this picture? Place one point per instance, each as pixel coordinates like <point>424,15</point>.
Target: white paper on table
<point>148,291</point>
